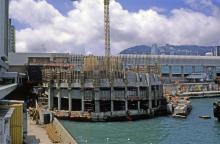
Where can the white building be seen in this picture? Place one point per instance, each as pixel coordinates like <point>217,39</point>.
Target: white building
<point>8,80</point>
<point>3,34</point>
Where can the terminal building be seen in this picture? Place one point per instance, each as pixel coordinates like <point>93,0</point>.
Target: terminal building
<point>172,67</point>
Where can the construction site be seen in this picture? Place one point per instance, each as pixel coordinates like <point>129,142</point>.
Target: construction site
<point>101,88</point>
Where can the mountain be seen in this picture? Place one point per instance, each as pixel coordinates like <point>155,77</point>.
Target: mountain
<point>171,50</point>
<point>141,49</point>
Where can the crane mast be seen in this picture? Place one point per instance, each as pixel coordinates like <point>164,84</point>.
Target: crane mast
<point>107,28</point>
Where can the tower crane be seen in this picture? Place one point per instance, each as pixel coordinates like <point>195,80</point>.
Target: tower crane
<point>106,27</point>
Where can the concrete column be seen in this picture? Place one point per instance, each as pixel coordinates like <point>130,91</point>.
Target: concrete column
<point>149,97</point>
<point>112,105</point>
<point>97,106</point>
<point>126,98</point>
<point>112,99</point>
<point>82,102</point>
<point>50,97</point>
<point>70,99</point>
<point>138,92</point>
<point>126,105</point>
<point>139,105</point>
<point>182,73</point>
<point>59,98</point>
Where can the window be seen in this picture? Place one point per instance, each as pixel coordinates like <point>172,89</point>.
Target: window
<point>176,69</point>
<point>187,69</point>
<point>165,69</point>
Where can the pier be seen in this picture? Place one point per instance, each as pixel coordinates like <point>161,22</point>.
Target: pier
<point>203,94</point>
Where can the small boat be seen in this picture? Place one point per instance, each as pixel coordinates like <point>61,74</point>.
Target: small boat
<point>183,108</point>
<point>179,116</point>
<point>205,117</point>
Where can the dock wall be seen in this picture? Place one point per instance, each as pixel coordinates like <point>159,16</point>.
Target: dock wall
<point>65,136</point>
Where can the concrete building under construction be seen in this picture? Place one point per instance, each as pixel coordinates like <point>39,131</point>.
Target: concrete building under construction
<point>101,88</point>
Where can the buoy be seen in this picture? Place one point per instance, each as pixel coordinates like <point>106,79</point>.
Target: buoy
<point>107,139</point>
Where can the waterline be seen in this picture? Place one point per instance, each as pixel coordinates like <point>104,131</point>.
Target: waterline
<point>161,130</point>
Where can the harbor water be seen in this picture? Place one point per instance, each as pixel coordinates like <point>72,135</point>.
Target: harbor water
<point>160,130</point>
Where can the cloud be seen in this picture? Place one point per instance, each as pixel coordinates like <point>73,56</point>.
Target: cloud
<point>204,5</point>
<point>82,28</point>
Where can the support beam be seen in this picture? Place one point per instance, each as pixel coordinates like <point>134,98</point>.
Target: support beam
<point>126,98</point>
<point>139,106</point>
<point>126,105</point>
<point>97,106</point>
<point>50,97</point>
<point>112,105</point>
<point>70,99</point>
<point>59,98</point>
<point>82,102</point>
<point>182,72</point>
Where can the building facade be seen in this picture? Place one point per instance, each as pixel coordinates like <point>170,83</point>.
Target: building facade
<point>4,29</point>
<point>172,68</point>
<point>11,38</point>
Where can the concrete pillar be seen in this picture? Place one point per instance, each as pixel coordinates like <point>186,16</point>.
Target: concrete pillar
<point>59,98</point>
<point>112,105</point>
<point>50,97</point>
<point>138,92</point>
<point>97,106</point>
<point>70,99</point>
<point>139,105</point>
<point>182,72</point>
<point>149,97</point>
<point>82,102</point>
<point>126,98</point>
<point>112,99</point>
<point>126,105</point>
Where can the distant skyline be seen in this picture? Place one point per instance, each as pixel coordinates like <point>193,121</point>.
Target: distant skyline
<point>77,27</point>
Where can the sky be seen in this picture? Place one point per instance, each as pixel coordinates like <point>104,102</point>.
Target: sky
<point>77,26</point>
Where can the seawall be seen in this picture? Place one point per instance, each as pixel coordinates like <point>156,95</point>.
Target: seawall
<point>65,136</point>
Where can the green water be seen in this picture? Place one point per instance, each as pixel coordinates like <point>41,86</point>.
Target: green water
<point>162,130</point>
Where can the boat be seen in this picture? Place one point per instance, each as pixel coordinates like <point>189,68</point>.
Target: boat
<point>183,108</point>
<point>205,117</point>
<point>179,116</point>
<point>216,110</point>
